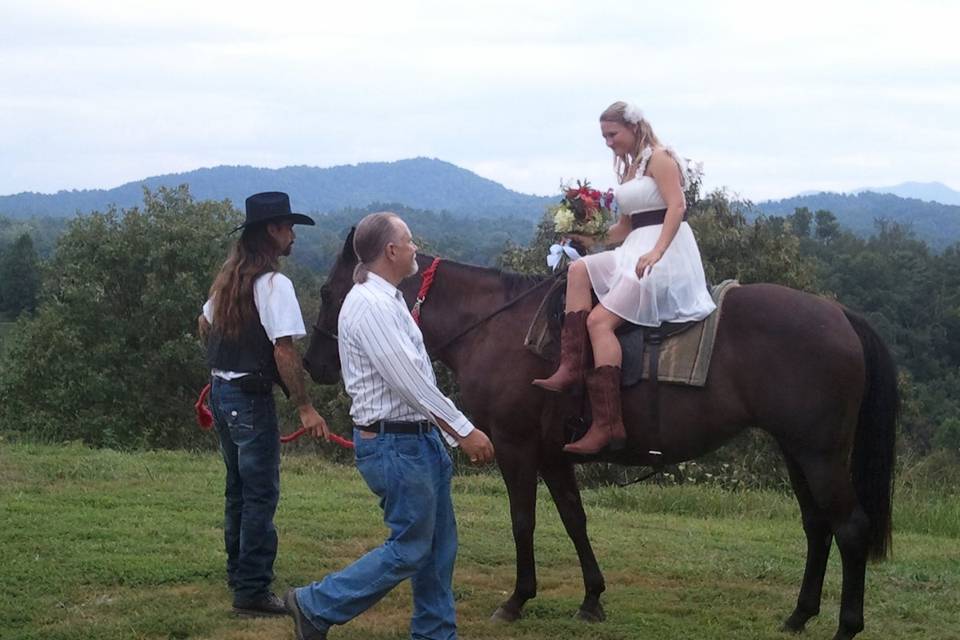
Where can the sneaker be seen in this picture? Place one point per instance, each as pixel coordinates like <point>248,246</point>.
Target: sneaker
<point>266,605</point>
<point>305,629</point>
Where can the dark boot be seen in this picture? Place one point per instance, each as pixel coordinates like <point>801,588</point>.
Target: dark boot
<point>267,604</point>
<point>574,343</point>
<point>603,386</point>
<point>303,628</point>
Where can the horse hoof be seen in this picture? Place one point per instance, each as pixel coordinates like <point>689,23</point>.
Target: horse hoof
<point>787,627</point>
<point>591,615</point>
<point>797,621</point>
<point>505,615</point>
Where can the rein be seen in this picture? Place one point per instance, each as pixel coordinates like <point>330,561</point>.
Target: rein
<point>474,325</point>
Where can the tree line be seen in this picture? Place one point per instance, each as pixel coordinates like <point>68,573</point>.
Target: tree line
<point>105,350</point>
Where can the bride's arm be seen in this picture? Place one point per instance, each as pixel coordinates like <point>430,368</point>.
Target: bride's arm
<point>619,231</point>
<point>615,235</point>
<point>666,174</point>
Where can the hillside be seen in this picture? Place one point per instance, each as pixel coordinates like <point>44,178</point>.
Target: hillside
<point>936,224</point>
<point>419,183</point>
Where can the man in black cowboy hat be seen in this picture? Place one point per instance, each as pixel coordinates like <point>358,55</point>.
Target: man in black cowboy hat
<point>250,322</point>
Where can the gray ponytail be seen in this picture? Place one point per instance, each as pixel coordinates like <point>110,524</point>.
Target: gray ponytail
<point>372,236</point>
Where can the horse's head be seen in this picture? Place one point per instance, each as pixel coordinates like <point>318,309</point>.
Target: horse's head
<point>323,358</point>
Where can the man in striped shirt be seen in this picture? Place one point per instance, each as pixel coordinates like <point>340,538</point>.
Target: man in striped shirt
<point>400,416</point>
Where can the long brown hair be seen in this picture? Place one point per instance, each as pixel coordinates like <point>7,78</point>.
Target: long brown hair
<point>232,291</point>
<point>642,130</point>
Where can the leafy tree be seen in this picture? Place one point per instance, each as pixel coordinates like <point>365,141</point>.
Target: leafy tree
<point>762,251</point>
<point>43,231</point>
<point>800,222</point>
<point>827,226</point>
<point>19,277</point>
<point>111,356</point>
<point>530,258</point>
<point>948,436</point>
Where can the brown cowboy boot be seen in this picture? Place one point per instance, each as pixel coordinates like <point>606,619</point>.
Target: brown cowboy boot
<point>573,353</point>
<point>603,386</point>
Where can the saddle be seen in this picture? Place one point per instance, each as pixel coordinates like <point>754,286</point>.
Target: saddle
<point>678,353</point>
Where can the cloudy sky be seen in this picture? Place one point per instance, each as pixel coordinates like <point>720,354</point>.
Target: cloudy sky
<point>775,98</point>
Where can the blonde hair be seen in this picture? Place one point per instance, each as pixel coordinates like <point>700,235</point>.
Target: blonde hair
<point>372,236</point>
<point>643,132</point>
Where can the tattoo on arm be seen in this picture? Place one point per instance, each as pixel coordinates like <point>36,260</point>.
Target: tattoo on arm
<point>203,328</point>
<point>291,370</point>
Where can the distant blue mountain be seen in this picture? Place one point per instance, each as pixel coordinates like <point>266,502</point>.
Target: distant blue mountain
<point>936,224</point>
<point>927,191</point>
<point>419,183</point>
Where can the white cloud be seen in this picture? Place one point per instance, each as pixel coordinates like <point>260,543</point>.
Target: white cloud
<point>775,98</point>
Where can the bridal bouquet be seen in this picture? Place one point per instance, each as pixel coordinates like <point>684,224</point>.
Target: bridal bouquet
<point>583,210</point>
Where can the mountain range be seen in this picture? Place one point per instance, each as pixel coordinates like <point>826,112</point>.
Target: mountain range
<point>434,185</point>
<point>419,183</point>
<point>936,224</point>
<point>928,191</point>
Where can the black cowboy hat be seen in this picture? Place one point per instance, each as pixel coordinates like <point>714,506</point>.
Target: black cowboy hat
<point>271,206</point>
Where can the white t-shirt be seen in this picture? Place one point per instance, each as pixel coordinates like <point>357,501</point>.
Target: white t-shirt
<point>278,308</point>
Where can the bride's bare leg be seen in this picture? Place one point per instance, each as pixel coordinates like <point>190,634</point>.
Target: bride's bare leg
<point>578,288</point>
<point>601,324</point>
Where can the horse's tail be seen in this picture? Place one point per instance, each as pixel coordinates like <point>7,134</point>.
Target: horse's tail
<point>874,446</point>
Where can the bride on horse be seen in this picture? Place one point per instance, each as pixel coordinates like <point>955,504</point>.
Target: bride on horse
<point>654,276</point>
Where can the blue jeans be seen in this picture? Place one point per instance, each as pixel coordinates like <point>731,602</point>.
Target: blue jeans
<point>411,476</point>
<point>250,443</point>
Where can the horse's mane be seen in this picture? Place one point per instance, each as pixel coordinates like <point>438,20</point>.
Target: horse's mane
<point>513,283</point>
<point>517,283</point>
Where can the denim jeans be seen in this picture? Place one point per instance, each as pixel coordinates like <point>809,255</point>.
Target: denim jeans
<point>411,476</point>
<point>250,443</point>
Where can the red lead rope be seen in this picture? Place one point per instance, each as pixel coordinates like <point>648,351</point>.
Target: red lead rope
<point>428,276</point>
<point>205,422</point>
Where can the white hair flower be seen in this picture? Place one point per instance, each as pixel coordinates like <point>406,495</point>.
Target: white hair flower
<point>632,113</point>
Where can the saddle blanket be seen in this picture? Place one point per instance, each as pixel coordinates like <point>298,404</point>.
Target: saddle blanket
<point>684,356</point>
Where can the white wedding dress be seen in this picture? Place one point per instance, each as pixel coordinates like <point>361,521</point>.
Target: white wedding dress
<point>675,288</point>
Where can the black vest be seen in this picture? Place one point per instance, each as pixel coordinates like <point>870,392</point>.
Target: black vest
<point>250,352</point>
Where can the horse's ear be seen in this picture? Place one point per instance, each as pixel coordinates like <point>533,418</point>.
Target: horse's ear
<point>348,252</point>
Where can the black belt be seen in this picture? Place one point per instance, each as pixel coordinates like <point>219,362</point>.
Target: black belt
<point>397,426</point>
<point>252,383</point>
<point>650,218</point>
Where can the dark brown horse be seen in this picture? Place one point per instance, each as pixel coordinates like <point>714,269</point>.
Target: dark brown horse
<point>811,373</point>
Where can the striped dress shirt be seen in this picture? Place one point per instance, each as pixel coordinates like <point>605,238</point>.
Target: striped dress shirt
<point>385,367</point>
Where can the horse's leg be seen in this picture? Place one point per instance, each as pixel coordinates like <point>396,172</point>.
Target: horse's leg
<point>819,539</point>
<point>518,461</point>
<point>832,489</point>
<point>562,482</point>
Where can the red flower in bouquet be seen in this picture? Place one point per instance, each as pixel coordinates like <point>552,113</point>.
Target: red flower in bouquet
<point>586,202</point>
<point>582,210</point>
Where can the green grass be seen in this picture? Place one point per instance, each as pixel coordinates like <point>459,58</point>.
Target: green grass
<point>101,544</point>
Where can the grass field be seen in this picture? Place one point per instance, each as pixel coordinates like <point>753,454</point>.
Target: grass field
<point>98,544</point>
